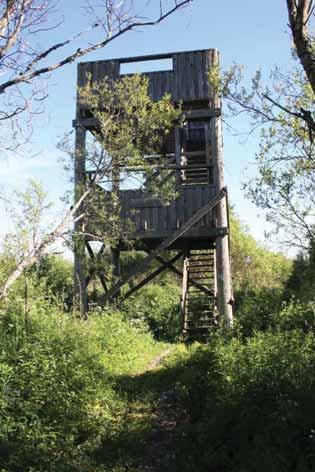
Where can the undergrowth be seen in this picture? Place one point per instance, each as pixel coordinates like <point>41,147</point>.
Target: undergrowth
<point>77,395</point>
<point>58,395</point>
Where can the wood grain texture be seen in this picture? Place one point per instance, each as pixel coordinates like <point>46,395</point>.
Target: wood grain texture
<point>187,81</point>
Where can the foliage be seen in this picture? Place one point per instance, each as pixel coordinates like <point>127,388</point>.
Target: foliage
<point>131,124</point>
<point>301,284</point>
<point>260,279</point>
<point>57,375</point>
<point>282,110</point>
<point>297,315</point>
<point>254,267</point>
<point>26,210</point>
<point>132,127</point>
<point>157,306</point>
<point>249,406</point>
<point>256,310</point>
<point>54,276</point>
<point>51,280</point>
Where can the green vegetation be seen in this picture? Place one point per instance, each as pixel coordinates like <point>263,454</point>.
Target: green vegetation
<point>157,306</point>
<point>118,391</point>
<point>57,385</point>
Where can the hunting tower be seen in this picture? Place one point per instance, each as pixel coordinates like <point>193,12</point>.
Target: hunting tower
<point>194,225</point>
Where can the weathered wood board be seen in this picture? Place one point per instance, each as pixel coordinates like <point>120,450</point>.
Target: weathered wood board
<point>151,216</point>
<point>187,81</point>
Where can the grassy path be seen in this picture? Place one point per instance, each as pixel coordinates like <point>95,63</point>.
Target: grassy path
<point>152,416</point>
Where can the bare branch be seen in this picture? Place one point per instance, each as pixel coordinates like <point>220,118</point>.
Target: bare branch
<point>26,77</point>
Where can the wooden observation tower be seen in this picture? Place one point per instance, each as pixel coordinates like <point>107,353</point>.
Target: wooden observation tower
<point>194,226</point>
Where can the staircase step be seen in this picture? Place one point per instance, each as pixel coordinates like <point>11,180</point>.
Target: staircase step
<point>199,308</point>
<point>199,328</point>
<point>200,313</point>
<point>203,303</point>
<point>196,269</point>
<point>196,262</point>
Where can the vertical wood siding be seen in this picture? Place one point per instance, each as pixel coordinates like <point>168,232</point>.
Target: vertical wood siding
<point>187,81</point>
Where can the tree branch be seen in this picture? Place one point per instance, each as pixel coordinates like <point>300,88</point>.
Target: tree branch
<point>299,14</point>
<point>26,77</point>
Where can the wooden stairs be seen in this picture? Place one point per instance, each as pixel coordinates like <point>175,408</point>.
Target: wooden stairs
<point>198,300</point>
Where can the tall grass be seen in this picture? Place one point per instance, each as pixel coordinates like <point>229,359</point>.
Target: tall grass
<point>57,385</point>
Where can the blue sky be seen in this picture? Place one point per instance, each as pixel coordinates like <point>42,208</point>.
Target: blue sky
<point>253,33</point>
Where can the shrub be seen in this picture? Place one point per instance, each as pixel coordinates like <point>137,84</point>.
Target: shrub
<point>158,306</point>
<point>297,315</point>
<point>57,378</point>
<point>256,310</point>
<point>55,277</point>
<point>250,405</point>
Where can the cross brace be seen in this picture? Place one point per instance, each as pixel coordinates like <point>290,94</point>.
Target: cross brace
<point>93,269</point>
<point>168,242</point>
<point>155,273</point>
<point>178,272</point>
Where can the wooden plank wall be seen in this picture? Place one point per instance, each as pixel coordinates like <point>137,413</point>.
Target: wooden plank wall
<point>187,81</point>
<point>157,218</point>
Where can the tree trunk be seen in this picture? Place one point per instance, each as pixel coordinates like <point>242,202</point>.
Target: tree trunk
<point>298,12</point>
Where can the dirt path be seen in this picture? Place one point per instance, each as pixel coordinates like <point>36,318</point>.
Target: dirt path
<point>157,361</point>
<point>159,451</point>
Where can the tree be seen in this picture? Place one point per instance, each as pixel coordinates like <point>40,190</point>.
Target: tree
<point>24,60</point>
<point>283,111</point>
<point>300,13</point>
<point>130,126</point>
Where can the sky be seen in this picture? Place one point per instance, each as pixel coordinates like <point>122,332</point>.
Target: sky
<point>252,33</point>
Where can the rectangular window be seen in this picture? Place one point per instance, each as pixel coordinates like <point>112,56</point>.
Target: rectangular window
<point>141,67</point>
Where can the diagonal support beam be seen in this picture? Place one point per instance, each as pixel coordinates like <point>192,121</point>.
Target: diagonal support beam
<point>168,242</point>
<point>93,269</point>
<point>174,269</point>
<point>155,273</point>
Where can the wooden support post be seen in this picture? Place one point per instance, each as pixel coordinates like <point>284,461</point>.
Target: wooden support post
<point>223,269</point>
<point>184,292</point>
<point>116,262</point>
<point>115,256</point>
<point>80,263</point>
<point>178,154</point>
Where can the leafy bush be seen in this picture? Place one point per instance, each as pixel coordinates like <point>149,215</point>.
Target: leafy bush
<point>256,310</point>
<point>254,267</point>
<point>158,306</point>
<point>55,276</point>
<point>250,405</point>
<point>57,378</point>
<point>297,315</point>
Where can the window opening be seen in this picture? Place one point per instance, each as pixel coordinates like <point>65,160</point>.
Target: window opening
<point>156,65</point>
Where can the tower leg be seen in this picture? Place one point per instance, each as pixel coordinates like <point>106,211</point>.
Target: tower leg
<point>184,293</point>
<point>80,262</point>
<point>223,271</point>
<point>223,267</point>
<point>115,253</point>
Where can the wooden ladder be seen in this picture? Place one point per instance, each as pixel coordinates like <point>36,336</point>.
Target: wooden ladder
<point>198,305</point>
